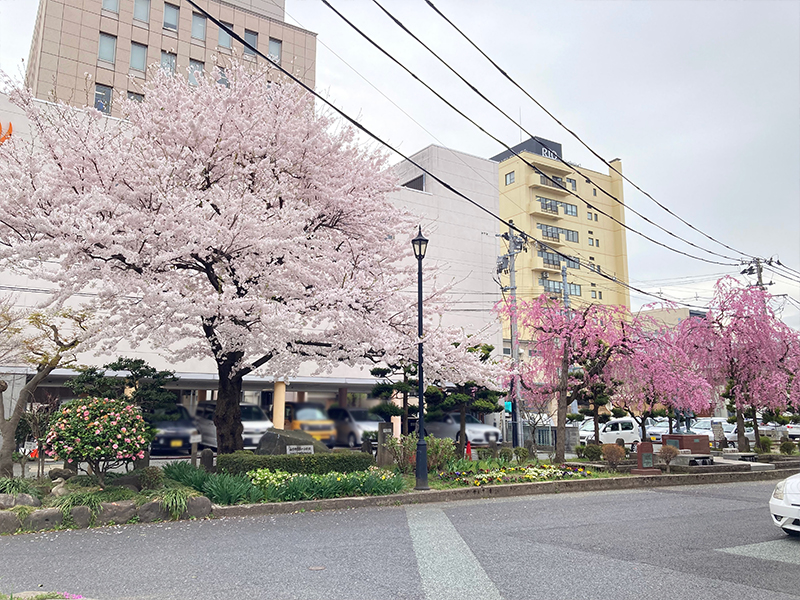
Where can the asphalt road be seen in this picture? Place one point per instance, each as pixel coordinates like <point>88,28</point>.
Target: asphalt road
<point>708,542</point>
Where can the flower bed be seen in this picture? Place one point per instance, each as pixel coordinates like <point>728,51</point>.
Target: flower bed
<point>522,474</point>
<point>279,486</point>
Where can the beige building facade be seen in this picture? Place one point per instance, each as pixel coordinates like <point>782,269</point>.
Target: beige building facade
<point>544,205</point>
<point>90,52</point>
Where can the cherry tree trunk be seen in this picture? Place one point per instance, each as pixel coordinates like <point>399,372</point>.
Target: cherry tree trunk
<point>228,416</point>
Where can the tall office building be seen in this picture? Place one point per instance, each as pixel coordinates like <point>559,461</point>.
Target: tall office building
<point>89,52</point>
<point>546,207</point>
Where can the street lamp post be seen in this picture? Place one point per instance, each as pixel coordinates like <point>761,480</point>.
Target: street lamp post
<point>420,244</point>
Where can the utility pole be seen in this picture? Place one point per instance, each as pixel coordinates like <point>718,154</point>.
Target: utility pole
<point>758,273</point>
<point>515,245</point>
<point>561,409</point>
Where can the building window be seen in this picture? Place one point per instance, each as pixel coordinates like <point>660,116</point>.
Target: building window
<point>102,98</point>
<point>573,263</point>
<point>591,241</point>
<point>168,60</point>
<point>108,48</point>
<point>594,294</point>
<point>595,216</point>
<point>171,15</point>
<point>141,10</point>
<point>552,232</point>
<point>589,215</point>
<point>572,184</point>
<point>597,243</point>
<point>275,50</point>
<point>135,96</point>
<point>571,236</point>
<point>251,37</point>
<point>138,56</point>
<point>224,40</point>
<point>507,350</point>
<point>594,191</point>
<point>600,295</point>
<point>570,209</point>
<point>198,27</point>
<point>111,5</point>
<point>195,66</point>
<point>510,180</point>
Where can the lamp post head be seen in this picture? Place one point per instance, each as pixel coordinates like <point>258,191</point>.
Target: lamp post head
<point>420,244</point>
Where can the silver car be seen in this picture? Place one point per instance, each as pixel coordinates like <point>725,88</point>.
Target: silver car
<point>352,423</point>
<point>254,422</point>
<point>449,425</point>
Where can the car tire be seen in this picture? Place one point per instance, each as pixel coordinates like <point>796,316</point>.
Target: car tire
<point>351,440</point>
<point>791,532</point>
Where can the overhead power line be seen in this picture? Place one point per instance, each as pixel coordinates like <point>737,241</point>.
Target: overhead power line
<point>577,137</point>
<point>378,139</point>
<point>530,164</point>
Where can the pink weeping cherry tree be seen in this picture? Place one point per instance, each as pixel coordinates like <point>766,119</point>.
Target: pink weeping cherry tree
<point>231,221</point>
<point>746,350</point>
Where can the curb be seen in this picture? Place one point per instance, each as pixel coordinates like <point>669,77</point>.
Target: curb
<point>499,491</point>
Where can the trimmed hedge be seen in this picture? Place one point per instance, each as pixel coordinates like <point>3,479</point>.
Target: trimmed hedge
<point>310,464</point>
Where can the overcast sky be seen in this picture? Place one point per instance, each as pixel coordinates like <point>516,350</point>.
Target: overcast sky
<point>700,100</point>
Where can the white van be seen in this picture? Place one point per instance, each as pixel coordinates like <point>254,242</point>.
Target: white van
<point>626,428</point>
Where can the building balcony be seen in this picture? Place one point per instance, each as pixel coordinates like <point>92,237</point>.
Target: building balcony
<point>552,240</point>
<point>552,186</point>
<point>550,211</point>
<point>547,266</point>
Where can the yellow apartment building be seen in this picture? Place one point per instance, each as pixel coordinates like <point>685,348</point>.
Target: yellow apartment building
<point>562,209</point>
<point>89,52</point>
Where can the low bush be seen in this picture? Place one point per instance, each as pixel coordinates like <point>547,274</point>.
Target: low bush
<point>579,450</point>
<point>521,453</point>
<point>484,453</point>
<point>593,452</point>
<point>765,444</point>
<point>440,452</point>
<point>613,454</point>
<point>239,463</point>
<point>514,474</point>
<point>403,451</point>
<point>278,486</point>
<point>226,489</point>
<point>17,485</point>
<point>506,454</point>
<point>151,478</point>
<point>787,447</point>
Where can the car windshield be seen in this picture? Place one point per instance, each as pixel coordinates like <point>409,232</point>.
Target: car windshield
<point>728,427</point>
<point>310,413</point>
<point>587,425</point>
<point>363,414</point>
<point>251,412</point>
<point>701,425</point>
<point>469,419</point>
<point>168,413</point>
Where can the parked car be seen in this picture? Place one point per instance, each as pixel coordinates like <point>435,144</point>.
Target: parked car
<point>449,425</point>
<point>656,427</point>
<point>784,505</point>
<point>733,436</point>
<point>586,429</point>
<point>772,430</point>
<point>626,428</point>
<point>793,430</point>
<point>175,429</point>
<point>704,426</point>
<point>254,422</point>
<point>351,423</point>
<point>311,418</point>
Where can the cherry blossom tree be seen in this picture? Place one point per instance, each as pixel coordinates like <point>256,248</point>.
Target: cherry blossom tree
<point>225,221</point>
<point>657,373</point>
<point>743,347</point>
<point>46,340</point>
<point>587,339</point>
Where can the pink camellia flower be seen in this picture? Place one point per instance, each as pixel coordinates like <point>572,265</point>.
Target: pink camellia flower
<point>127,440</point>
<point>115,446</point>
<point>124,430</point>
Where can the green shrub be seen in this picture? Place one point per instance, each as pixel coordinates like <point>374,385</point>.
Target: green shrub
<point>278,486</point>
<point>185,474</point>
<point>613,454</point>
<point>151,478</point>
<point>593,452</point>
<point>440,452</point>
<point>403,451</point>
<point>226,489</point>
<point>239,463</point>
<point>17,485</point>
<point>506,454</point>
<point>484,453</point>
<point>579,450</point>
<point>787,447</point>
<point>765,444</point>
<point>521,453</point>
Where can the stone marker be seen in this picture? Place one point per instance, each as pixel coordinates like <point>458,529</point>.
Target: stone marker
<point>644,453</point>
<point>275,441</point>
<point>384,458</point>
<point>207,460</point>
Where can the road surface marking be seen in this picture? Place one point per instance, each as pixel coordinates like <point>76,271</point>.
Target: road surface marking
<point>447,566</point>
<point>787,551</point>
